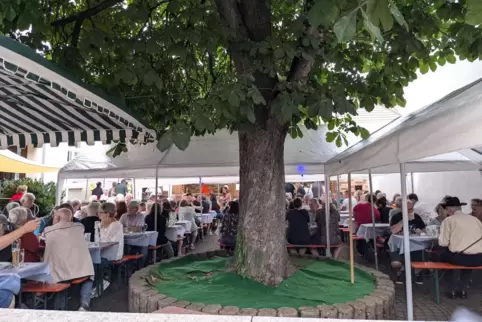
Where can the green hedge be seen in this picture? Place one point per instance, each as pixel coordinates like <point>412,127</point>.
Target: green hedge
<point>44,193</point>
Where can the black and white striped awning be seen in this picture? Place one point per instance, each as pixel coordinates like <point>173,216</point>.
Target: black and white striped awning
<point>39,103</point>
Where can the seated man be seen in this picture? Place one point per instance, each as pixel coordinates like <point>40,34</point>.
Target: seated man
<point>461,234</point>
<point>68,257</point>
<point>416,226</point>
<point>133,218</point>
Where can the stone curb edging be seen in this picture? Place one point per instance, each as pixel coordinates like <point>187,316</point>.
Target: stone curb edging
<point>379,305</point>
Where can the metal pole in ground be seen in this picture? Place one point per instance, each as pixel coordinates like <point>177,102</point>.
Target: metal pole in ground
<point>373,218</point>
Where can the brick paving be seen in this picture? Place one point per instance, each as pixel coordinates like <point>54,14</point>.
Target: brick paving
<point>425,308</point>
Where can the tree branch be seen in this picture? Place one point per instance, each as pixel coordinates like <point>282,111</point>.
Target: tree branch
<point>257,18</point>
<point>86,13</point>
<point>301,66</point>
<point>76,33</point>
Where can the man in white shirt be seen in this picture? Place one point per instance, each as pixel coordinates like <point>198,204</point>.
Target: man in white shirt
<point>421,208</point>
<point>347,196</point>
<point>462,235</point>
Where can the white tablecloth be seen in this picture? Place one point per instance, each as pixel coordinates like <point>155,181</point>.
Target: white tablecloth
<point>206,218</point>
<point>173,232</point>
<point>145,239</point>
<point>416,243</point>
<point>39,272</point>
<point>344,222</point>
<point>184,223</point>
<point>103,250</point>
<point>366,230</point>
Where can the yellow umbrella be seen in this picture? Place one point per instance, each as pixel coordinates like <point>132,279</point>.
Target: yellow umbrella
<point>11,162</point>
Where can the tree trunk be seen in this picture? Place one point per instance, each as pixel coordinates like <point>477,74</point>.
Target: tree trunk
<point>261,252</point>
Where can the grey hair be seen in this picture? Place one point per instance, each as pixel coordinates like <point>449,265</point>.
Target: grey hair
<point>92,209</point>
<point>18,216</point>
<point>11,205</point>
<point>26,196</point>
<point>75,202</point>
<point>454,208</point>
<point>398,202</point>
<point>3,224</point>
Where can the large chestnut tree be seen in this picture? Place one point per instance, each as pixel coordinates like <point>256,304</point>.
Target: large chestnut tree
<point>261,68</point>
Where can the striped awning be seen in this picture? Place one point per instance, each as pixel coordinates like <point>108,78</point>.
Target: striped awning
<point>40,103</point>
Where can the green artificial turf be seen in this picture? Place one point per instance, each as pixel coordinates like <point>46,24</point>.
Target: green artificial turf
<point>207,281</point>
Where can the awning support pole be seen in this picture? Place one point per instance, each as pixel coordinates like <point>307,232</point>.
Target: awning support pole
<point>406,244</point>
<point>351,230</point>
<point>373,218</point>
<point>327,215</point>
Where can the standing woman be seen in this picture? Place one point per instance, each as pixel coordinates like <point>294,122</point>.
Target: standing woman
<point>186,212</point>
<point>226,197</point>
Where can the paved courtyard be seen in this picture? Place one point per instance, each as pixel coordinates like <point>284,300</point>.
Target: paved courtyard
<point>425,308</point>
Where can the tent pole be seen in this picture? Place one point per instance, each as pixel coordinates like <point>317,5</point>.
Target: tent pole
<point>406,244</point>
<point>373,218</point>
<point>338,205</point>
<point>411,182</point>
<point>134,188</point>
<point>156,207</point>
<point>327,216</point>
<point>350,232</point>
<point>86,189</point>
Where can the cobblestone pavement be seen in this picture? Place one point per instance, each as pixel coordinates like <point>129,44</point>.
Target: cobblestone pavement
<point>425,308</point>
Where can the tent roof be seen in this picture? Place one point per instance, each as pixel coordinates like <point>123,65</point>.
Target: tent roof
<point>446,126</point>
<point>13,163</point>
<point>40,103</point>
<point>207,156</point>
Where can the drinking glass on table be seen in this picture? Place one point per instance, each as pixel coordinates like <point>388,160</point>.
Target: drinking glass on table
<point>21,257</point>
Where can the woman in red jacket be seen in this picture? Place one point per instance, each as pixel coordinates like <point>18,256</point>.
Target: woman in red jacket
<point>21,190</point>
<point>29,242</point>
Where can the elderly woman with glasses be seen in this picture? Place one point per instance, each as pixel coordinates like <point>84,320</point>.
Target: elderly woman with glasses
<point>29,242</point>
<point>28,201</point>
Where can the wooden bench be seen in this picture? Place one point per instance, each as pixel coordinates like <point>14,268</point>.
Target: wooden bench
<point>153,250</point>
<point>312,246</point>
<point>436,266</point>
<point>123,263</point>
<point>41,292</point>
<point>79,280</point>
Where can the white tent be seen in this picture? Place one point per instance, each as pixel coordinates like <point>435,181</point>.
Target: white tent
<point>209,156</point>
<point>447,126</point>
<point>212,157</point>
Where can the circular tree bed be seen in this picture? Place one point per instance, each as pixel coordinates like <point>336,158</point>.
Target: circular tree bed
<point>319,288</point>
<point>211,281</point>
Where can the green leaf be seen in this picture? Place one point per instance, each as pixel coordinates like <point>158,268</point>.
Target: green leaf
<point>379,11</point>
<point>331,136</point>
<point>165,141</point>
<point>128,77</point>
<point>150,77</point>
<point>181,135</point>
<point>473,15</point>
<point>398,15</point>
<point>451,59</point>
<point>338,141</point>
<point>233,99</point>
<point>373,30</point>
<point>287,111</point>
<point>441,61</point>
<point>257,97</point>
<point>344,106</point>
<point>345,28</point>
<point>424,68</point>
<point>202,122</point>
<point>279,52</point>
<point>313,109</point>
<point>433,66</point>
<point>174,6</point>
<point>250,115</point>
<point>10,13</point>
<point>323,12</point>
<point>364,133</point>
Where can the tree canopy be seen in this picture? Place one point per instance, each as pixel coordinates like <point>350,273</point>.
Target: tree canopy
<point>195,66</point>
